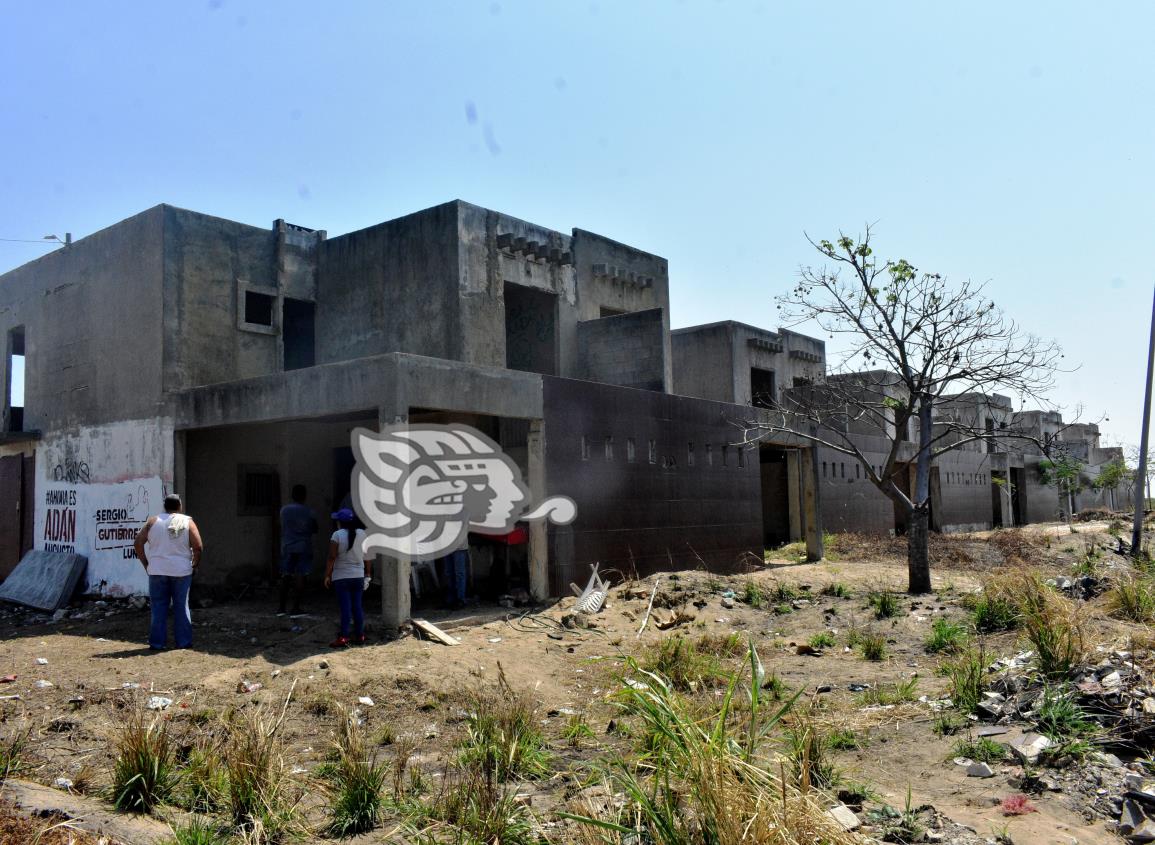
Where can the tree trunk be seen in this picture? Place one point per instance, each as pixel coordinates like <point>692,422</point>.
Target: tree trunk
<point>918,532</point>
<point>918,551</point>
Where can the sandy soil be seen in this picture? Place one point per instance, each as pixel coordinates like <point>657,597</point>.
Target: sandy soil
<point>99,671</point>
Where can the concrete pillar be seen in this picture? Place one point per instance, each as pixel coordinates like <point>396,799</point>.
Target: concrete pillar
<point>811,507</point>
<point>794,493</point>
<point>538,529</point>
<point>394,571</point>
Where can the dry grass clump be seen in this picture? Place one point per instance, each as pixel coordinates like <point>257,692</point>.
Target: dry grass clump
<point>261,802</point>
<point>1055,626</point>
<point>1017,546</point>
<point>357,790</point>
<point>144,771</point>
<point>1133,598</point>
<point>706,780</point>
<point>503,734</point>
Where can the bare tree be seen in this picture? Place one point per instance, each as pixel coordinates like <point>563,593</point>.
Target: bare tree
<point>920,373</point>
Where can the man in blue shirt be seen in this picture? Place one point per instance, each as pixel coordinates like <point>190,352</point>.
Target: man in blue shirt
<point>298,525</point>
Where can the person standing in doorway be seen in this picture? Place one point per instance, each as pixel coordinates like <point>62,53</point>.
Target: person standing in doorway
<point>454,574</point>
<point>173,554</point>
<point>348,573</point>
<point>298,525</point>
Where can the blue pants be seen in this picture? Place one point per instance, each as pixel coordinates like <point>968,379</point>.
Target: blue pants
<point>453,572</point>
<point>348,592</point>
<point>165,591</point>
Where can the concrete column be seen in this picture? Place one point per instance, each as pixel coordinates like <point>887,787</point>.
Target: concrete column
<point>538,529</point>
<point>394,571</point>
<point>794,493</point>
<point>811,507</point>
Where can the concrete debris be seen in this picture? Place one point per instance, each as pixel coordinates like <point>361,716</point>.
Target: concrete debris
<point>365,701</point>
<point>62,783</point>
<point>844,816</point>
<point>1028,747</point>
<point>980,770</point>
<point>727,603</point>
<point>42,684</point>
<point>42,661</point>
<point>158,702</point>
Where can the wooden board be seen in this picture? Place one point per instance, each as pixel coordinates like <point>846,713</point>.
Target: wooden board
<point>434,633</point>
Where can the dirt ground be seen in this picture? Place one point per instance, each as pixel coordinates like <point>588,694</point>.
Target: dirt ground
<point>99,671</point>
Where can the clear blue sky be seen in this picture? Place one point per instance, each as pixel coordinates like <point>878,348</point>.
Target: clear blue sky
<point>1009,142</point>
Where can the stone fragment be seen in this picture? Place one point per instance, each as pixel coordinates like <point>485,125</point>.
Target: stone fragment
<point>727,602</point>
<point>845,817</point>
<point>980,770</point>
<point>1028,747</point>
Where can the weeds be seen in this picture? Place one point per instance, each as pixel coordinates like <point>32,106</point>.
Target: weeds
<point>946,636</point>
<point>947,724</point>
<point>503,737</point>
<point>838,590</point>
<point>144,772</point>
<point>992,613</point>
<point>577,729</point>
<point>890,694</point>
<point>687,664</point>
<point>258,800</point>
<point>358,783</point>
<point>873,646</point>
<point>983,750</point>
<point>198,831</point>
<point>825,639</point>
<point>471,807</point>
<point>843,739</point>
<point>709,780</point>
<point>967,674</point>
<point>1059,716</point>
<point>1133,598</point>
<point>752,595</point>
<point>885,604</point>
<point>12,754</point>
<point>782,593</point>
<point>204,780</point>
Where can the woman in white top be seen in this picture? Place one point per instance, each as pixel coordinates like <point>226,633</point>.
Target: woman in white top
<point>348,573</point>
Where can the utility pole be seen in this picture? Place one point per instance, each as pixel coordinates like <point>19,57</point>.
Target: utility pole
<point>1141,472</point>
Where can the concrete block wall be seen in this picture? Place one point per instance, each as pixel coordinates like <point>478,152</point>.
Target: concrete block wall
<point>641,506</point>
<point>965,500</point>
<point>391,288</point>
<point>92,331</point>
<point>625,350</point>
<point>848,499</point>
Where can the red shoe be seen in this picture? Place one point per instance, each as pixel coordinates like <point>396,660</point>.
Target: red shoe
<point>340,642</point>
<point>361,640</point>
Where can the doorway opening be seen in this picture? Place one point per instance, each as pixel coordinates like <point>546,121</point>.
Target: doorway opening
<point>763,388</point>
<point>298,333</point>
<point>777,502</point>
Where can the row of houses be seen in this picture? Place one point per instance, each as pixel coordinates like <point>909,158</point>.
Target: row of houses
<point>179,351</point>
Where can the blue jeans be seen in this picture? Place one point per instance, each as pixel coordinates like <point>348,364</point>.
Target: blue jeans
<point>165,591</point>
<point>348,592</point>
<point>453,572</point>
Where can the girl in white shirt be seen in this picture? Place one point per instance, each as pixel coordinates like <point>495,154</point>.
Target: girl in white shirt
<point>348,573</point>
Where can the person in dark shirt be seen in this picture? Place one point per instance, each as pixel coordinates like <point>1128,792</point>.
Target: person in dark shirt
<point>298,525</point>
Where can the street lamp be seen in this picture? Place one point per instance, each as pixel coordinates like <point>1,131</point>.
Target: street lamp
<point>66,242</point>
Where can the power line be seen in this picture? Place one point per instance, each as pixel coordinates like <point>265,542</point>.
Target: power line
<point>29,241</point>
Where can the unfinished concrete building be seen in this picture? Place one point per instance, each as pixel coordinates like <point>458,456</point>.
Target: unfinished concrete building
<point>179,351</point>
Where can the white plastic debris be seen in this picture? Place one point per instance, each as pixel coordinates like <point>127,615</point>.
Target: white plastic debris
<point>62,783</point>
<point>365,701</point>
<point>159,702</point>
<point>42,684</point>
<point>43,661</point>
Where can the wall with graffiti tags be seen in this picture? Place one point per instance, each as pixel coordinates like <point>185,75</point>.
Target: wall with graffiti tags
<point>95,487</point>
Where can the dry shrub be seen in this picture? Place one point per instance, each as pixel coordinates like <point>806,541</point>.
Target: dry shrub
<point>1055,625</point>
<point>1017,546</point>
<point>709,780</point>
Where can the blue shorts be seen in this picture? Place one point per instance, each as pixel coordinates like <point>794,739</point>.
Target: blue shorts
<point>296,563</point>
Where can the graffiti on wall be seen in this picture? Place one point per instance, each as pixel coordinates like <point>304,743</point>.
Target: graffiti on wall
<point>74,472</point>
<point>99,521</point>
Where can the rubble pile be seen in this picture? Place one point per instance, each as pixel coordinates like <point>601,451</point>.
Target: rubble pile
<point>1115,775</point>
